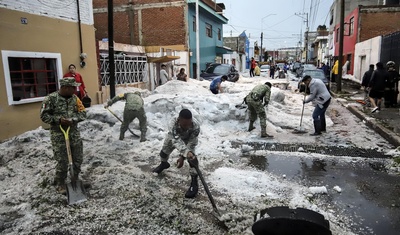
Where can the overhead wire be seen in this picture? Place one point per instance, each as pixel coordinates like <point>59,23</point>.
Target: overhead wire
<point>316,9</point>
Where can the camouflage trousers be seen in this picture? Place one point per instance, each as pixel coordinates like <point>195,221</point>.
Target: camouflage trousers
<point>256,108</point>
<point>61,156</point>
<point>129,116</point>
<point>169,146</point>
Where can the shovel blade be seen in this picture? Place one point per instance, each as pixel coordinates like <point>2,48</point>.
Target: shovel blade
<point>299,130</point>
<point>76,192</point>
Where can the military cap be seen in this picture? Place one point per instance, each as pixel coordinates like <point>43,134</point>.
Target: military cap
<point>69,81</point>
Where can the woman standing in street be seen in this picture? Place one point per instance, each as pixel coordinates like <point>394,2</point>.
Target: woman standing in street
<point>252,66</point>
<point>80,90</point>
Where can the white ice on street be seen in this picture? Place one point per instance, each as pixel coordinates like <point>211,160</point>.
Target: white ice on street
<point>126,198</point>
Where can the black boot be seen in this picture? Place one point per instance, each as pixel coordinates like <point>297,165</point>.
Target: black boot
<point>164,163</point>
<point>143,137</point>
<point>317,127</point>
<point>194,188</point>
<point>251,126</point>
<point>161,167</point>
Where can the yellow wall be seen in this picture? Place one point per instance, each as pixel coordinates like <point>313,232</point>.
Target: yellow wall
<point>42,34</point>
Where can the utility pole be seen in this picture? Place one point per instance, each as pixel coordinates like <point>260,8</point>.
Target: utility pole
<point>197,42</point>
<point>340,58</point>
<point>297,45</point>
<point>261,53</point>
<point>262,34</point>
<point>306,37</point>
<point>111,62</point>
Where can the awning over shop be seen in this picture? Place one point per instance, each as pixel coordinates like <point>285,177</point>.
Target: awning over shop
<point>162,59</point>
<point>223,50</point>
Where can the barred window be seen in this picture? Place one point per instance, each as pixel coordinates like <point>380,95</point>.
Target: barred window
<point>30,76</point>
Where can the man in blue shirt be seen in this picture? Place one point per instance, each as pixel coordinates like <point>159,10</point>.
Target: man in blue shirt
<point>324,68</point>
<point>215,85</point>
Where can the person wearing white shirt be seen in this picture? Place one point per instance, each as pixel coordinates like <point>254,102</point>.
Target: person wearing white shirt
<point>163,75</point>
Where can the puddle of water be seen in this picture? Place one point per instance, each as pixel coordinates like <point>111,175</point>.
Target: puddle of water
<point>369,197</point>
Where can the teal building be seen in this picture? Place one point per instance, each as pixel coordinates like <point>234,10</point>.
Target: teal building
<point>211,23</point>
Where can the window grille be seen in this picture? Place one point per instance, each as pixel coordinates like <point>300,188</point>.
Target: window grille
<point>128,69</point>
<point>30,76</point>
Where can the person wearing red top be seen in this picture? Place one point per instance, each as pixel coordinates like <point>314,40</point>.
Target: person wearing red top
<point>252,66</point>
<point>80,90</point>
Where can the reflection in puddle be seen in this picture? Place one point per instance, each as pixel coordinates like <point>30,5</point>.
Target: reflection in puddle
<point>370,197</point>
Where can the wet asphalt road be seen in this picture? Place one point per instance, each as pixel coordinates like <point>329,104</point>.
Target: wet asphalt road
<point>370,197</point>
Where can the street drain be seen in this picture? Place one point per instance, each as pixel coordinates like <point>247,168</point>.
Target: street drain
<point>309,148</point>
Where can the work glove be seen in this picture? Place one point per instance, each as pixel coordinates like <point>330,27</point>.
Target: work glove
<point>193,162</point>
<point>180,161</point>
<point>190,155</point>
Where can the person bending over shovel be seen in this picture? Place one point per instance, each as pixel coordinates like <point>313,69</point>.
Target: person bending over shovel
<point>182,135</point>
<point>133,109</point>
<point>64,108</point>
<point>321,96</point>
<point>256,100</point>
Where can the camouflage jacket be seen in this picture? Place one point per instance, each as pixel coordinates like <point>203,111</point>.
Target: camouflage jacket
<point>55,106</point>
<point>133,101</point>
<point>183,140</point>
<point>261,92</point>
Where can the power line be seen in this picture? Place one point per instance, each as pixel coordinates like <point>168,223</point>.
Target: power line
<point>281,21</point>
<point>316,9</point>
<point>249,28</point>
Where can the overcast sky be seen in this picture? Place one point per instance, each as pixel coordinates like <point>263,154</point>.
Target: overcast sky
<point>280,30</point>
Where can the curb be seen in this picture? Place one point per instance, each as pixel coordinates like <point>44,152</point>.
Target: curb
<point>387,134</point>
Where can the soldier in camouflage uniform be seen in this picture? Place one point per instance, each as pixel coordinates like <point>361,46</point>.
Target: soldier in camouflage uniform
<point>254,101</point>
<point>64,108</point>
<point>133,109</point>
<point>182,135</point>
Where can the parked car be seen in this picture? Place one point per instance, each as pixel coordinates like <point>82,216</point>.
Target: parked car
<point>295,66</point>
<point>264,69</point>
<point>214,70</point>
<point>299,71</point>
<point>314,73</point>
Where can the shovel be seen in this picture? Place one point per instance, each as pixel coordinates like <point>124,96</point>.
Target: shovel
<point>115,115</point>
<point>75,189</point>
<point>301,130</point>
<point>195,164</point>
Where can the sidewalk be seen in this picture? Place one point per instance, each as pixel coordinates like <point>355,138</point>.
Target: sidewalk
<point>386,122</point>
